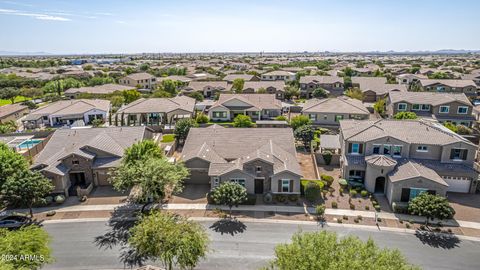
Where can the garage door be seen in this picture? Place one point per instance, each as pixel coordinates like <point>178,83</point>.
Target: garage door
<point>198,177</point>
<point>458,184</point>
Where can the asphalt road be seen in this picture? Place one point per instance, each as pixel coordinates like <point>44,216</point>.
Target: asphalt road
<point>73,246</point>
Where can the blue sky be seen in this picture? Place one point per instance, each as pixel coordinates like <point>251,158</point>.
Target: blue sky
<point>122,26</point>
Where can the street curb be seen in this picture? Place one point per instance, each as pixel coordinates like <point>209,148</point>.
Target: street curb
<point>279,221</point>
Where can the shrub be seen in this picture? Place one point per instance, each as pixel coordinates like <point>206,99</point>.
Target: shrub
<point>422,227</point>
<point>449,230</point>
<point>364,193</point>
<point>343,182</point>
<point>201,118</point>
<point>293,197</point>
<point>251,200</point>
<point>49,199</point>
<point>407,225</point>
<point>312,191</point>
<point>340,191</point>
<point>367,207</point>
<point>210,199</point>
<point>327,157</point>
<point>463,130</point>
<point>400,208</point>
<point>268,198</point>
<point>320,210</point>
<point>355,220</point>
<point>339,220</point>
<point>379,219</point>
<point>280,198</point>
<point>345,217</point>
<point>352,206</point>
<point>353,192</point>
<point>59,199</point>
<point>327,179</point>
<point>334,205</point>
<point>377,207</point>
<point>51,213</point>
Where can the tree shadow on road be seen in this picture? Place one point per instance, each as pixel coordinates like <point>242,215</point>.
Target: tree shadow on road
<point>438,240</point>
<point>122,220</point>
<point>230,226</point>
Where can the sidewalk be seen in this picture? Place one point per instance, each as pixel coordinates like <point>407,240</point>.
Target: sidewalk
<point>259,208</point>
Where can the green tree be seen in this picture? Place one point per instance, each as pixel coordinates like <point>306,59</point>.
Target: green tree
<point>320,93</point>
<point>159,93</point>
<point>379,106</point>
<point>182,127</point>
<point>201,118</point>
<point>405,115</point>
<point>117,101</point>
<point>431,206</point>
<point>97,122</point>
<point>355,93</point>
<point>451,126</point>
<point>242,121</point>
<point>8,127</point>
<point>438,75</point>
<point>281,118</point>
<point>27,241</point>
<point>131,95</point>
<point>12,164</point>
<point>169,86</point>
<point>230,194</point>
<point>237,85</point>
<point>300,120</point>
<point>305,134</point>
<point>153,178</point>
<point>27,189</point>
<point>291,92</point>
<point>31,92</point>
<point>172,239</point>
<point>324,251</point>
<point>348,71</point>
<point>196,95</point>
<point>141,151</point>
<point>261,90</point>
<point>9,93</point>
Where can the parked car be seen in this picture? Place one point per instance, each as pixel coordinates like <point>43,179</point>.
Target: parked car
<point>12,222</point>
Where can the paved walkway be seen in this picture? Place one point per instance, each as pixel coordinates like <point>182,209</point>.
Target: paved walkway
<point>259,208</point>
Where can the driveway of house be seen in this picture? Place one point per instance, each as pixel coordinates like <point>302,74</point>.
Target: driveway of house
<point>467,206</point>
<point>192,194</point>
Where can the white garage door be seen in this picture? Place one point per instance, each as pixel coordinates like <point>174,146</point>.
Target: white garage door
<point>458,184</point>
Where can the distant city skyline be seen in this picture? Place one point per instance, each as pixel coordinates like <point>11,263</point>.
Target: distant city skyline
<point>83,27</point>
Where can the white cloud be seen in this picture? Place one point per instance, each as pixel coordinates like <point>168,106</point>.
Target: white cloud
<point>38,16</point>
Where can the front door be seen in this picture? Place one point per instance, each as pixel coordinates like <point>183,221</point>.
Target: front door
<point>380,185</point>
<point>259,186</point>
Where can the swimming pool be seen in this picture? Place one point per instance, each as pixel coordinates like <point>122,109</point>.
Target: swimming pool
<point>28,144</point>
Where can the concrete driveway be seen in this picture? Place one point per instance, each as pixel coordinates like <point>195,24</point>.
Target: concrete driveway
<point>467,206</point>
<point>192,193</point>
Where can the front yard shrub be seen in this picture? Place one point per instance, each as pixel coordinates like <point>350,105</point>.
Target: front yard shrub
<point>353,193</point>
<point>293,197</point>
<point>320,210</point>
<point>280,198</point>
<point>327,157</point>
<point>324,193</point>
<point>51,213</point>
<point>59,199</point>
<point>352,206</point>
<point>210,199</point>
<point>304,183</point>
<point>268,198</point>
<point>422,227</point>
<point>407,225</point>
<point>400,208</point>
<point>312,191</point>
<point>49,199</point>
<point>340,191</point>
<point>364,193</point>
<point>356,220</point>
<point>343,182</point>
<point>377,207</point>
<point>328,179</point>
<point>339,220</point>
<point>251,200</point>
<point>359,217</point>
<point>449,230</point>
<point>367,207</point>
<point>345,217</point>
<point>334,205</point>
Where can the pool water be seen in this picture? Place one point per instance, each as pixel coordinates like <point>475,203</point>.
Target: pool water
<point>29,144</point>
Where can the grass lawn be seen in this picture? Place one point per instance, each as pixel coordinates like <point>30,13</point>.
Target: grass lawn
<point>168,138</point>
<point>17,99</point>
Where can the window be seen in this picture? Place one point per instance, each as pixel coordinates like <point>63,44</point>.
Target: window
<point>45,118</point>
<point>75,162</point>
<point>425,107</point>
<point>458,154</point>
<point>397,150</point>
<point>239,181</point>
<point>219,114</point>
<point>422,148</point>
<point>285,185</point>
<point>402,106</point>
<point>462,110</point>
<point>216,182</point>
<point>355,148</point>
<point>312,117</point>
<point>416,107</point>
<point>376,149</point>
<point>338,118</point>
<point>444,109</point>
<point>387,149</point>
<point>259,169</point>
<point>356,175</point>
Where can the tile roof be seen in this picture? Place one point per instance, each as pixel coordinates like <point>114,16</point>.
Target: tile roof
<point>335,105</point>
<point>431,98</point>
<point>321,79</point>
<point>231,77</point>
<point>258,101</point>
<point>199,85</point>
<point>69,107</point>
<point>9,109</point>
<point>255,85</point>
<point>159,105</point>
<point>377,84</point>
<point>139,76</point>
<point>410,131</point>
<point>99,89</point>
<point>448,82</point>
<point>408,169</point>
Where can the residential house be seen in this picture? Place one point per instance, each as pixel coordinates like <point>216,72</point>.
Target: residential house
<point>468,87</point>
<point>401,159</point>
<point>96,91</point>
<point>261,159</point>
<point>474,77</point>
<point>271,87</point>
<point>139,80</point>
<point>408,79</point>
<point>278,75</point>
<point>208,88</point>
<point>246,77</point>
<point>12,112</point>
<point>68,112</point>
<point>155,112</point>
<point>78,159</point>
<point>329,111</point>
<point>375,88</point>
<point>333,84</point>
<point>443,107</point>
<point>257,106</point>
